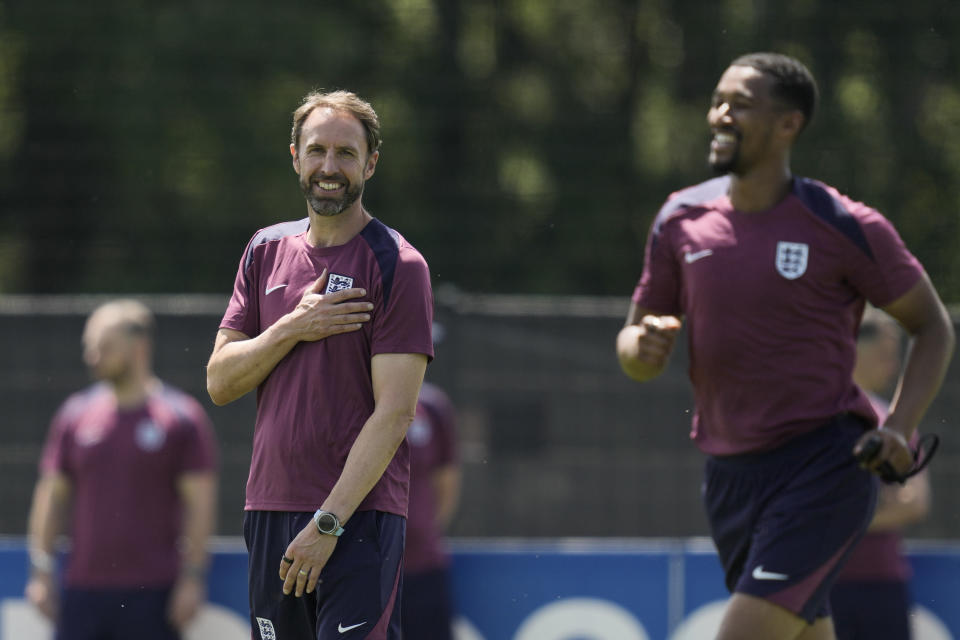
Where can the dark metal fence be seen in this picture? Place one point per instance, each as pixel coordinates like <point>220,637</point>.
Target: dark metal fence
<point>555,440</point>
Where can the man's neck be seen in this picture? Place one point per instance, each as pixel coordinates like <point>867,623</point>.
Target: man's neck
<point>132,392</point>
<point>333,231</point>
<point>760,189</point>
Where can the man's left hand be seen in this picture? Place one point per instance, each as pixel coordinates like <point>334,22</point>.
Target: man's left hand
<point>309,551</point>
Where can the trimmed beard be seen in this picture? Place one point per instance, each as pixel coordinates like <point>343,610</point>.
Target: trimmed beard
<point>722,168</point>
<point>120,373</point>
<point>329,207</point>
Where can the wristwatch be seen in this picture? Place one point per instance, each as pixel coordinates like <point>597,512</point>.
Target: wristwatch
<point>327,523</point>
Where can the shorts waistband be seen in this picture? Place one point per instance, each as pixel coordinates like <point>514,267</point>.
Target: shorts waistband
<point>796,445</point>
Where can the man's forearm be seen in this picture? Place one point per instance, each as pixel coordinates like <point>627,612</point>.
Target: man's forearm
<point>922,377</point>
<point>446,489</point>
<point>369,457</point>
<point>198,493</point>
<point>396,381</point>
<point>238,366</point>
<point>46,520</point>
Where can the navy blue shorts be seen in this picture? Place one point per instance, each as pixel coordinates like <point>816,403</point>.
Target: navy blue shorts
<point>114,614</point>
<point>427,606</point>
<point>868,610</point>
<point>358,587</point>
<point>783,521</point>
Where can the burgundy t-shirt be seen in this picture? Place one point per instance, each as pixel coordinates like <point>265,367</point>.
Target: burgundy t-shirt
<point>316,400</point>
<point>772,302</point>
<point>123,466</point>
<point>433,445</point>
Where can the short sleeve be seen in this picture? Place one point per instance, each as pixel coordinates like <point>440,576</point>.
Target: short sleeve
<point>891,270</point>
<point>57,445</point>
<point>242,312</point>
<point>199,447</point>
<point>660,285</point>
<point>405,324</point>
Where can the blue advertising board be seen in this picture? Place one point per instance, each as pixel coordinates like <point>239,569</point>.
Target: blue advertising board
<point>541,590</point>
<point>529,590</point>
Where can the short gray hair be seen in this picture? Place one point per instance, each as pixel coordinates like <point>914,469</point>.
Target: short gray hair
<point>344,101</point>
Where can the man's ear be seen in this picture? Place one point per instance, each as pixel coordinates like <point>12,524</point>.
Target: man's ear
<point>296,158</point>
<point>792,123</point>
<point>371,167</point>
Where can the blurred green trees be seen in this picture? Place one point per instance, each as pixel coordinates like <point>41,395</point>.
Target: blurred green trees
<point>527,143</point>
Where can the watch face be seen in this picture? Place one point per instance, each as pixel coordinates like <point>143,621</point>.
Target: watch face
<point>327,522</point>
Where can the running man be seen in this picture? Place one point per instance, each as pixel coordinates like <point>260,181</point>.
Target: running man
<point>771,272</point>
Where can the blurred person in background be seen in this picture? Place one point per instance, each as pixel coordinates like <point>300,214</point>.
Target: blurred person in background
<point>427,604</point>
<point>129,472</point>
<point>871,598</point>
<point>330,323</point>
<point>771,272</point>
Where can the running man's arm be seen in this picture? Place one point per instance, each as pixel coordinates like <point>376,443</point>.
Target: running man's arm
<point>928,322</point>
<point>645,343</point>
<point>240,363</point>
<point>923,315</point>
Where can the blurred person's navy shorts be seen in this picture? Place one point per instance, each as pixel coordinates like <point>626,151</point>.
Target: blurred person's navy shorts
<point>427,606</point>
<point>784,520</point>
<point>92,614</point>
<point>359,588</point>
<point>868,610</point>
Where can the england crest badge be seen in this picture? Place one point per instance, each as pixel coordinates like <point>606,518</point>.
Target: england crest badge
<point>419,432</point>
<point>149,435</point>
<point>336,282</point>
<point>267,632</point>
<point>792,259</point>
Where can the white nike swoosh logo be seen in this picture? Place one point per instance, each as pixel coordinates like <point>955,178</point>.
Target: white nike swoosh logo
<point>272,289</point>
<point>343,629</point>
<point>693,257</point>
<point>760,574</point>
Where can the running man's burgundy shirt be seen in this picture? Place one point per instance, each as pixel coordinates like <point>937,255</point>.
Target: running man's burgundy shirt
<point>772,302</point>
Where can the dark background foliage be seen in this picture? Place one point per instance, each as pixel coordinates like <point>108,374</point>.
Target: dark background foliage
<point>527,144</point>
